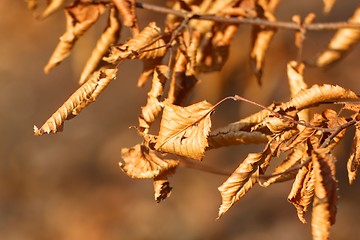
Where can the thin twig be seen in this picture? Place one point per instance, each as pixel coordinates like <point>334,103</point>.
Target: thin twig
<point>250,21</point>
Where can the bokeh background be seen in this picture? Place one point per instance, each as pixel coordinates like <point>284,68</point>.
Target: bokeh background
<point>69,185</point>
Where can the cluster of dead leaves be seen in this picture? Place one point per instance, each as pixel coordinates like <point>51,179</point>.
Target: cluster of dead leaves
<point>192,47</point>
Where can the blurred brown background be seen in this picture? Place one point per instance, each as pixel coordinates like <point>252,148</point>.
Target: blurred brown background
<point>69,185</point>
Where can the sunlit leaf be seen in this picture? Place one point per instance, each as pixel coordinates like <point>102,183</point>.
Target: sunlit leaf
<point>184,130</point>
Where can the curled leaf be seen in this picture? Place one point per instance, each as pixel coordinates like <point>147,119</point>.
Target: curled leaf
<point>324,205</point>
<point>316,95</point>
<point>85,95</point>
<point>52,7</point>
<point>354,159</point>
<point>79,18</point>
<point>107,38</point>
<point>261,39</point>
<point>148,44</point>
<point>153,107</point>
<point>341,44</point>
<point>283,171</point>
<point>127,11</point>
<point>184,130</point>
<point>242,179</point>
<point>142,162</point>
<point>181,83</point>
<point>302,191</point>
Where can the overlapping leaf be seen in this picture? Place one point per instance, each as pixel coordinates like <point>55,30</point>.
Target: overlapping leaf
<point>142,162</point>
<point>184,130</point>
<point>107,38</point>
<point>354,159</point>
<point>79,18</point>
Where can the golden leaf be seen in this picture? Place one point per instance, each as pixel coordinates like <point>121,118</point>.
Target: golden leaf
<point>328,5</point>
<point>283,171</point>
<point>152,108</point>
<point>184,130</point>
<point>342,43</point>
<point>148,44</point>
<point>181,83</point>
<point>142,162</point>
<point>52,7</point>
<point>79,18</point>
<point>32,4</point>
<point>316,95</point>
<point>127,11</point>
<point>324,205</point>
<point>225,137</point>
<point>354,159</point>
<point>295,73</point>
<point>317,121</point>
<point>242,179</point>
<point>261,39</point>
<point>85,95</point>
<point>302,190</point>
<point>107,38</point>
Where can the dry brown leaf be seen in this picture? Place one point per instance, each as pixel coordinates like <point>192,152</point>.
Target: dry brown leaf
<point>295,73</point>
<point>316,95</point>
<point>302,191</point>
<point>324,205</point>
<point>127,11</point>
<point>181,83</point>
<point>317,121</point>
<point>107,38</point>
<point>283,171</point>
<point>85,95</point>
<point>261,36</point>
<point>354,159</point>
<point>162,189</point>
<point>184,130</point>
<point>242,179</point>
<point>142,162</point>
<point>53,6</point>
<point>148,44</point>
<point>79,18</point>
<point>341,44</point>
<point>225,137</point>
<point>328,5</point>
<point>153,107</point>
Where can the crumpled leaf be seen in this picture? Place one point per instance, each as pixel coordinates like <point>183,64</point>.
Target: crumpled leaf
<point>79,18</point>
<point>153,107</point>
<point>341,44</point>
<point>85,95</point>
<point>181,83</point>
<point>184,130</point>
<point>324,205</point>
<point>282,171</point>
<point>295,73</point>
<point>107,38</point>
<point>127,11</point>
<point>261,39</point>
<point>242,179</point>
<point>354,159</point>
<point>302,191</point>
<point>148,44</point>
<point>142,162</point>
